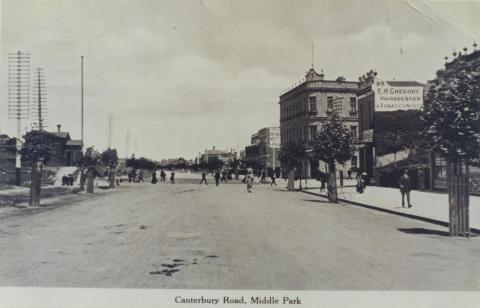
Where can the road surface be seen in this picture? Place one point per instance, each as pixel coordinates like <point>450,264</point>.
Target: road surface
<point>202,237</point>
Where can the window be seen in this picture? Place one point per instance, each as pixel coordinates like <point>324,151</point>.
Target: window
<point>353,105</point>
<point>313,104</point>
<point>353,128</point>
<point>329,103</point>
<point>354,161</point>
<point>313,131</point>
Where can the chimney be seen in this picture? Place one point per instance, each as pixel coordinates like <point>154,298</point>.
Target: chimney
<point>322,75</point>
<point>58,127</point>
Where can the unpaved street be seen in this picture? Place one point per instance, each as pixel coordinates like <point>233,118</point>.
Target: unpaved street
<point>191,236</point>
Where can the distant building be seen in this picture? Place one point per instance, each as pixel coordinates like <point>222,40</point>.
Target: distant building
<point>210,156</point>
<point>8,154</point>
<point>306,107</point>
<point>262,153</point>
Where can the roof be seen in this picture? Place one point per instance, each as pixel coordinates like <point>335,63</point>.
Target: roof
<point>63,135</point>
<point>75,143</point>
<point>405,84</point>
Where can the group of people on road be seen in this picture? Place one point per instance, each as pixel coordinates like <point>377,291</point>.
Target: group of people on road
<point>220,177</point>
<point>163,176</point>
<point>67,180</point>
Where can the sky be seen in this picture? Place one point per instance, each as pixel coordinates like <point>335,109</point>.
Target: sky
<point>183,76</point>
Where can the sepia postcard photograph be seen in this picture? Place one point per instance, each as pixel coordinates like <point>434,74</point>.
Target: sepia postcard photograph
<point>239,153</point>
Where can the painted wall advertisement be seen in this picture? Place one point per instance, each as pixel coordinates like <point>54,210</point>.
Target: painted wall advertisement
<point>397,95</point>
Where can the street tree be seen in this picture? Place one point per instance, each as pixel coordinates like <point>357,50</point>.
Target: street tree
<point>109,158</point>
<point>132,163</point>
<point>332,145</point>
<point>89,163</point>
<point>291,155</point>
<point>452,115</point>
<point>36,150</point>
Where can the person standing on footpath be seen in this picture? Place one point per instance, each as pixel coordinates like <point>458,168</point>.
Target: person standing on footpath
<point>154,177</point>
<point>172,177</point>
<point>224,177</point>
<point>249,181</point>
<point>273,179</point>
<point>405,188</point>
<point>204,178</point>
<point>323,180</point>
<point>360,184</point>
<point>217,178</point>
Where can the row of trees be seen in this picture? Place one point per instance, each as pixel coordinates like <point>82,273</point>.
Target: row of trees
<point>450,125</point>
<point>37,149</point>
<point>333,144</point>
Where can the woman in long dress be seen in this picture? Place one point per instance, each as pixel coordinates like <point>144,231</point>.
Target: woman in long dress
<point>249,181</point>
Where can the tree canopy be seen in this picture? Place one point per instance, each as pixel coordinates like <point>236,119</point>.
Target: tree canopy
<point>109,158</point>
<point>291,154</point>
<point>91,158</point>
<point>334,142</point>
<point>397,130</point>
<point>452,109</point>
<point>38,145</point>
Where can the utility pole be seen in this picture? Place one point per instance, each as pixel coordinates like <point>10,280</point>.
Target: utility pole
<point>40,99</point>
<point>110,130</point>
<point>312,54</point>
<point>18,98</point>
<point>81,94</point>
<point>127,143</point>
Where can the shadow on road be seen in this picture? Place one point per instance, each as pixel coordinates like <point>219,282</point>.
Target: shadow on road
<point>423,231</point>
<point>316,201</point>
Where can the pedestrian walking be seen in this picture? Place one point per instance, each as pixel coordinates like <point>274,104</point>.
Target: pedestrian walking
<point>364,178</point>
<point>262,177</point>
<point>323,181</point>
<point>154,177</point>
<point>163,175</point>
<point>204,178</point>
<point>217,178</point>
<point>405,188</point>
<point>249,182</point>
<point>360,184</point>
<point>224,177</point>
<point>172,177</point>
<point>273,179</point>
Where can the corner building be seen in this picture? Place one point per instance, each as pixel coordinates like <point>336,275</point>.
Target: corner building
<point>304,109</point>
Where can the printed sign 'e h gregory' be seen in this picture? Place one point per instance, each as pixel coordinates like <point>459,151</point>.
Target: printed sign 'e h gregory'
<point>398,95</point>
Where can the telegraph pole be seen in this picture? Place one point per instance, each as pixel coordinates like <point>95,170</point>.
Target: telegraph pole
<point>110,130</point>
<point>128,143</point>
<point>39,92</point>
<point>18,98</point>
<point>81,94</point>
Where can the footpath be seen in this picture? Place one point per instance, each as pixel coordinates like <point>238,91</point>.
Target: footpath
<point>426,206</point>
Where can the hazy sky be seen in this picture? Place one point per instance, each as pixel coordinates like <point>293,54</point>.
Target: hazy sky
<point>186,75</point>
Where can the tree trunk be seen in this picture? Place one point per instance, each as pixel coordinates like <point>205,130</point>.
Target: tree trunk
<point>36,184</point>
<point>332,184</point>
<point>90,180</point>
<point>291,181</point>
<point>458,197</point>
<point>82,179</point>
<point>111,176</point>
